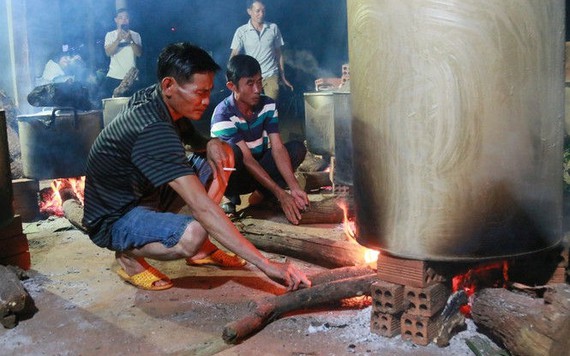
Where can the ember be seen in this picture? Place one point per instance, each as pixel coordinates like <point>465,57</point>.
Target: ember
<point>51,198</point>
<point>490,275</point>
<point>349,228</point>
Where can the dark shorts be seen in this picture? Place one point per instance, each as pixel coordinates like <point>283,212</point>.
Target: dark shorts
<point>155,219</point>
<point>241,182</point>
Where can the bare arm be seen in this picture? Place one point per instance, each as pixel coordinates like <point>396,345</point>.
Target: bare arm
<point>281,62</point>
<point>234,52</point>
<point>219,227</point>
<point>293,204</point>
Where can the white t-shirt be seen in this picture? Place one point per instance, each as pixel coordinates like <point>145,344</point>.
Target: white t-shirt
<point>260,45</point>
<point>52,70</point>
<point>124,59</point>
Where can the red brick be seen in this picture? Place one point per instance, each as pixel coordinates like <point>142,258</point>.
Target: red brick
<point>387,297</point>
<point>384,324</point>
<point>425,301</point>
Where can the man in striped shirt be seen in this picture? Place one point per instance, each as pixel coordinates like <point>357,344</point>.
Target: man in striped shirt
<point>138,171</point>
<point>264,165</point>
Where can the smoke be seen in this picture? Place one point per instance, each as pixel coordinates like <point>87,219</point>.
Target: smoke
<point>315,37</point>
<point>306,62</point>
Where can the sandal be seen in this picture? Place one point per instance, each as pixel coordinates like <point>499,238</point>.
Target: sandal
<point>218,258</point>
<point>146,279</point>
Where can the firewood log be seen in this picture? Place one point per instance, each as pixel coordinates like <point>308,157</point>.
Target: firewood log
<point>526,325</point>
<point>269,309</point>
<point>301,243</point>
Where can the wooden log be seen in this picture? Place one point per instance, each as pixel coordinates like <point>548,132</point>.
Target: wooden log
<point>73,211</point>
<point>324,211</point>
<point>302,244</point>
<point>311,181</point>
<point>526,325</point>
<point>268,310</point>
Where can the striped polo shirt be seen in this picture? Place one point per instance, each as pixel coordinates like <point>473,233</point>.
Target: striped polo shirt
<point>228,124</point>
<point>140,150</point>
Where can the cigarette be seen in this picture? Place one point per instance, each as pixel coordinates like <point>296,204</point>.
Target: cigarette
<point>228,169</point>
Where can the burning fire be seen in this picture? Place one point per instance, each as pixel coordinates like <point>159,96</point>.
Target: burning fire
<point>51,199</point>
<point>349,228</point>
<point>490,275</point>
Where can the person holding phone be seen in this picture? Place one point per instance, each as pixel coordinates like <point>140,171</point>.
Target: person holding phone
<point>123,46</point>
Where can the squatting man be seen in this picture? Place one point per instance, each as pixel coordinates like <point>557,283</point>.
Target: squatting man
<point>139,175</point>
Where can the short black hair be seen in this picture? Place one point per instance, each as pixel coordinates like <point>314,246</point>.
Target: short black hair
<point>122,9</point>
<point>242,66</point>
<point>181,60</point>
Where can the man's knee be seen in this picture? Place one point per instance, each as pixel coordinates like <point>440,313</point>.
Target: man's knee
<point>191,240</point>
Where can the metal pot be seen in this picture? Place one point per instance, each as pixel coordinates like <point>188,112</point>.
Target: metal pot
<point>112,107</point>
<point>56,144</point>
<point>457,124</point>
<point>319,122</point>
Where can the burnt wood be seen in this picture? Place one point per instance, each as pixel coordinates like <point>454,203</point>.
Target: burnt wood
<point>270,309</point>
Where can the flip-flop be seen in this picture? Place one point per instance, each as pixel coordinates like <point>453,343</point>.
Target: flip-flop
<point>218,258</point>
<point>146,279</point>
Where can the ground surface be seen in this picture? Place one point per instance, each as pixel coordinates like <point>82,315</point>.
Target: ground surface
<point>83,308</point>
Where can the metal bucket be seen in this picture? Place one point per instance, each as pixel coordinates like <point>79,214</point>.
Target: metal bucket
<point>6,193</point>
<point>319,122</point>
<point>457,124</point>
<point>56,144</point>
<point>112,107</point>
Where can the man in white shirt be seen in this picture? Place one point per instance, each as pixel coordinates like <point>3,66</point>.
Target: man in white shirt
<point>263,41</point>
<point>123,46</point>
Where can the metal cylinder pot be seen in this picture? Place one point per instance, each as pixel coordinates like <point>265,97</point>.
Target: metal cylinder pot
<point>56,144</point>
<point>457,126</point>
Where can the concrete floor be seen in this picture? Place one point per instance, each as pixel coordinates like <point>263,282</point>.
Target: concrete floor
<point>84,308</point>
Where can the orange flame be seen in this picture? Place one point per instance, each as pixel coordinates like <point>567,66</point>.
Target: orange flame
<point>51,202</point>
<point>483,276</point>
<point>349,228</point>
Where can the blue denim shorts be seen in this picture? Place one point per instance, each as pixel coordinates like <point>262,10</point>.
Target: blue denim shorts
<point>152,221</point>
<point>142,225</point>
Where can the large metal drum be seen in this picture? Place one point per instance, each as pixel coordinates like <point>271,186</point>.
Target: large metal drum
<point>457,125</point>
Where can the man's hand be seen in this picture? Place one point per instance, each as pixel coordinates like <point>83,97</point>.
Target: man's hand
<point>292,206</point>
<point>287,274</point>
<point>219,157</point>
<point>301,198</point>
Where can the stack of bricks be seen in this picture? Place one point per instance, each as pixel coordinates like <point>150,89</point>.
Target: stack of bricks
<point>14,248</point>
<point>412,310</point>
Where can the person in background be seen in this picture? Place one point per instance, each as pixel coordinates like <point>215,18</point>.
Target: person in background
<point>55,69</point>
<point>123,46</point>
<point>247,120</point>
<point>138,175</point>
<point>263,41</point>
